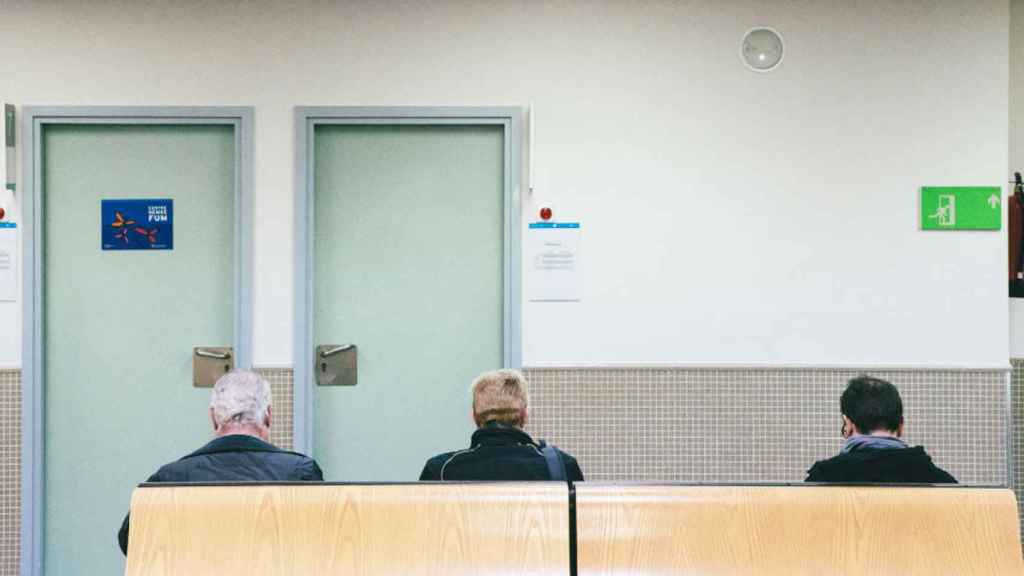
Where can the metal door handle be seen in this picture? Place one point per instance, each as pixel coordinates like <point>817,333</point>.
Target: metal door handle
<point>337,365</point>
<point>210,363</point>
<point>336,350</point>
<point>216,355</point>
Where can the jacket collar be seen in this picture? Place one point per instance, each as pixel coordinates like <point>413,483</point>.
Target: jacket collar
<point>235,443</point>
<point>495,434</point>
<point>868,442</point>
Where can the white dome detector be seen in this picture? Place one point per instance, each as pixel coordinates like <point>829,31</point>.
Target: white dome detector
<point>762,49</point>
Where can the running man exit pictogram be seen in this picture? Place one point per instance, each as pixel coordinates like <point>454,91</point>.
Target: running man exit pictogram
<point>961,208</point>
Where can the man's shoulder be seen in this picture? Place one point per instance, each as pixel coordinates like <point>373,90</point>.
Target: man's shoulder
<point>296,460</point>
<point>177,471</point>
<point>219,459</point>
<point>838,467</point>
<point>440,459</point>
<point>236,444</point>
<point>572,467</point>
<point>832,461</point>
<point>432,468</point>
<point>911,464</point>
<point>868,454</point>
<point>821,468</point>
<point>289,455</point>
<point>277,456</point>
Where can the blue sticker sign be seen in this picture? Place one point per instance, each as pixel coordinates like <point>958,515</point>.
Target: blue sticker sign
<point>137,224</point>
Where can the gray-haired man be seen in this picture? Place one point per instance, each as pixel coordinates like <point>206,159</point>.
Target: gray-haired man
<point>240,414</point>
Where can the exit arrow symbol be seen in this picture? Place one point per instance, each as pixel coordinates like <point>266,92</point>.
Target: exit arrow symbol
<point>993,201</point>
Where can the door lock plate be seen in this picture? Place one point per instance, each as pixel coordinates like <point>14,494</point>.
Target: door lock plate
<point>336,365</point>
<point>210,363</point>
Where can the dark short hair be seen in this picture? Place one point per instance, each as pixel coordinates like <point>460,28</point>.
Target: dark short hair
<point>872,404</point>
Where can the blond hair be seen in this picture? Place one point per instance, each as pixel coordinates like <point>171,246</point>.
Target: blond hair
<point>500,396</point>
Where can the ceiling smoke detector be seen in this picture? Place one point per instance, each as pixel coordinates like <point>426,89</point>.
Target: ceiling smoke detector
<point>762,49</point>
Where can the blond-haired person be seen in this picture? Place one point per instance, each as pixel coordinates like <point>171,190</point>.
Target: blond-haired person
<point>500,449</point>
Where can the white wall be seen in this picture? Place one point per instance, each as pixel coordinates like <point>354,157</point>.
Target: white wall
<point>729,217</point>
<point>10,316</point>
<point>1016,147</point>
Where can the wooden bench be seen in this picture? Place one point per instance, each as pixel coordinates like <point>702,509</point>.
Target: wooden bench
<point>789,530</point>
<point>327,529</point>
<point>520,528</point>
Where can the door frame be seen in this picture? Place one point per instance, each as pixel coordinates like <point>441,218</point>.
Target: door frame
<point>307,118</point>
<point>34,118</point>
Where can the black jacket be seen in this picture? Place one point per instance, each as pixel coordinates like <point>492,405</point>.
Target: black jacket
<point>899,465</point>
<point>235,458</point>
<point>497,452</point>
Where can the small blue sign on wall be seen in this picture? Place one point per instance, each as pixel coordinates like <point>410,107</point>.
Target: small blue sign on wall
<point>137,224</point>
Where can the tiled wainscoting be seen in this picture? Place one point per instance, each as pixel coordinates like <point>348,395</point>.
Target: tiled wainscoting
<point>281,387</point>
<point>10,470</point>
<point>761,425</point>
<point>755,425</point>
<point>687,425</point>
<point>1017,408</point>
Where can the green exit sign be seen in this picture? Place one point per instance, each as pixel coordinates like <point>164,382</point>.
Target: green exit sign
<point>961,208</point>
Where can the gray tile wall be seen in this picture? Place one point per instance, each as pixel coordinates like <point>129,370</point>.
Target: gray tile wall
<point>1017,404</point>
<point>687,425</point>
<point>281,387</point>
<point>10,470</point>
<point>755,425</point>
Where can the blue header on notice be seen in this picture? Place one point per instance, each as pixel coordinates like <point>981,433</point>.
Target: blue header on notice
<point>137,224</point>
<point>535,225</point>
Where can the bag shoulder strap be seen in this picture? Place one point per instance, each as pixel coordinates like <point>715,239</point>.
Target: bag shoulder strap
<point>556,467</point>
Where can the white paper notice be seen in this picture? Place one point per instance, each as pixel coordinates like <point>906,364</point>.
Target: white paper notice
<point>8,262</point>
<point>553,252</point>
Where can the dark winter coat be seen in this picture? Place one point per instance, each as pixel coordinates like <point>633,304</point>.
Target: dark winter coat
<point>234,458</point>
<point>498,452</point>
<point>899,465</point>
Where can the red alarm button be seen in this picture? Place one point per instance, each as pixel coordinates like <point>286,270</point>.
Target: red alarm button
<point>545,213</point>
<point>2,213</point>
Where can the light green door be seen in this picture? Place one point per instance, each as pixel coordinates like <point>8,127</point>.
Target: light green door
<point>120,326</point>
<point>408,261</point>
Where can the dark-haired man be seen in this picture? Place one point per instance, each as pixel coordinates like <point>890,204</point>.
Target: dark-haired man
<point>873,451</point>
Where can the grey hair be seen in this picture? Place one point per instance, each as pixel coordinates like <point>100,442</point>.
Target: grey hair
<point>240,397</point>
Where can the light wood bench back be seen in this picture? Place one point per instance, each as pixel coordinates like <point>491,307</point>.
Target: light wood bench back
<point>404,529</point>
<point>792,530</point>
